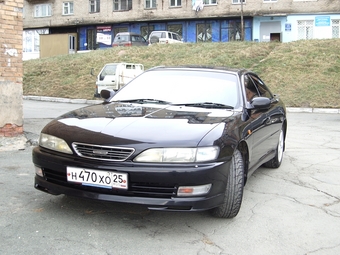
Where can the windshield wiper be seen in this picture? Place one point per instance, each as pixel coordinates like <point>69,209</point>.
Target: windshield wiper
<point>209,105</point>
<point>144,101</point>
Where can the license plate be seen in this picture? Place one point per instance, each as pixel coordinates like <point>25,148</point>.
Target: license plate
<point>102,179</point>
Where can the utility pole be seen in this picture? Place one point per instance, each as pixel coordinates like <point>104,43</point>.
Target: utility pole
<point>242,27</point>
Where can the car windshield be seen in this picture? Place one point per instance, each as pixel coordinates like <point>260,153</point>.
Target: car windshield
<point>110,70</point>
<point>187,87</point>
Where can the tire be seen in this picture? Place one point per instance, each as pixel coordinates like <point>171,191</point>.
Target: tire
<point>154,39</point>
<point>234,189</point>
<point>277,160</point>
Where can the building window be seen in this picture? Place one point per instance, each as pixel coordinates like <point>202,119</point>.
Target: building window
<point>145,31</point>
<point>122,5</point>
<point>120,30</point>
<point>203,32</point>
<point>234,30</point>
<point>208,2</point>
<point>238,1</point>
<point>67,8</point>
<point>305,29</point>
<point>31,40</point>
<point>336,28</point>
<point>174,3</point>
<point>94,6</point>
<point>150,4</point>
<point>176,29</point>
<point>42,10</point>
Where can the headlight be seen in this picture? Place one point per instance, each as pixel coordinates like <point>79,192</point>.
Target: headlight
<point>178,155</point>
<point>54,143</point>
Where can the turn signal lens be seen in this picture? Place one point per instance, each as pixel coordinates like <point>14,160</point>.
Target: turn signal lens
<point>39,171</point>
<point>193,190</point>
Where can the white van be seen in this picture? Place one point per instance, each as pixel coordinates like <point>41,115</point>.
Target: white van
<point>164,37</point>
<point>113,76</point>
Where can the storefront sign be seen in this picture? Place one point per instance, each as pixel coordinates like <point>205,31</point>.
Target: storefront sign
<point>322,21</point>
<point>104,35</point>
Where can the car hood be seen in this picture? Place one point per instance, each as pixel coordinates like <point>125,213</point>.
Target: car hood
<point>123,124</point>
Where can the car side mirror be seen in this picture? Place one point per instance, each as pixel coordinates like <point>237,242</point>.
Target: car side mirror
<point>260,103</point>
<point>107,95</point>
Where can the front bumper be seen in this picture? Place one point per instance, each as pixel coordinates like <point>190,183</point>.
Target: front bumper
<point>149,185</point>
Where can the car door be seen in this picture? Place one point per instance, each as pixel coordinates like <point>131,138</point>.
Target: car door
<point>169,39</point>
<point>274,117</point>
<point>139,41</point>
<point>177,38</point>
<point>263,131</point>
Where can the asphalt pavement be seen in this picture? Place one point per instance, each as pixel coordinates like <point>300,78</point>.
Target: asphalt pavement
<point>294,209</point>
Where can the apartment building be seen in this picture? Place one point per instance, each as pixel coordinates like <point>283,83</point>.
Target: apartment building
<point>92,24</point>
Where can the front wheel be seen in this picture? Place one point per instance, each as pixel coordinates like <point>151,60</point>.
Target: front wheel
<point>234,189</point>
<point>277,160</point>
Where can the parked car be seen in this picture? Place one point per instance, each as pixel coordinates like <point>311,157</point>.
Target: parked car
<point>129,39</point>
<point>115,75</point>
<point>174,138</point>
<point>164,37</point>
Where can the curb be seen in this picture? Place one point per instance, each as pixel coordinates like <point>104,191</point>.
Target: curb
<point>86,101</point>
<point>313,110</point>
<point>62,100</point>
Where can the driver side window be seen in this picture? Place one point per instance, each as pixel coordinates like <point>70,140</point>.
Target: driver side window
<point>261,88</point>
<point>250,88</point>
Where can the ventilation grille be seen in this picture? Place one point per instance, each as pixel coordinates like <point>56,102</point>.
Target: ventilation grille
<point>102,152</point>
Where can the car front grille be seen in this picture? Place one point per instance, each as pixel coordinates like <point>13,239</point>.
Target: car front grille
<point>102,152</point>
<point>137,189</point>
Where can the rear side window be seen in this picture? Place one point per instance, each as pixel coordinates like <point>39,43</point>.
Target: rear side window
<point>121,38</point>
<point>158,34</point>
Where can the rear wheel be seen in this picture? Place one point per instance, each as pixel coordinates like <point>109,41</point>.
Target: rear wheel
<point>234,189</point>
<point>277,160</point>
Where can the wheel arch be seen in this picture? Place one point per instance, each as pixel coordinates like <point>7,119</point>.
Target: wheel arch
<point>284,128</point>
<point>243,148</point>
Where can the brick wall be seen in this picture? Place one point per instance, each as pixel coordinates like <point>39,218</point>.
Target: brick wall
<point>11,67</point>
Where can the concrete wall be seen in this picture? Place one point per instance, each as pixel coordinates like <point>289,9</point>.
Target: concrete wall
<point>164,11</point>
<point>289,27</point>
<point>11,67</point>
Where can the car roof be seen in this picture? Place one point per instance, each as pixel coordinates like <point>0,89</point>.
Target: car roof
<point>127,33</point>
<point>163,31</point>
<point>166,31</point>
<point>239,71</point>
